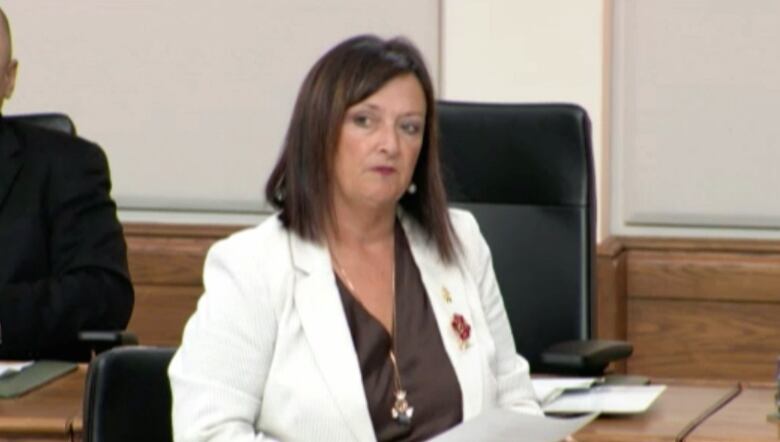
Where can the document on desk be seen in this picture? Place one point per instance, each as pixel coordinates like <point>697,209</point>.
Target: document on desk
<point>11,367</point>
<point>606,399</point>
<point>499,425</point>
<point>548,389</point>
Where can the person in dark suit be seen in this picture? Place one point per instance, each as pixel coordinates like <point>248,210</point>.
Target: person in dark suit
<point>63,258</point>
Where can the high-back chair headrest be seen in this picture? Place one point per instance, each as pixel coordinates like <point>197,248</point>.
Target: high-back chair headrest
<point>52,121</point>
<point>527,153</point>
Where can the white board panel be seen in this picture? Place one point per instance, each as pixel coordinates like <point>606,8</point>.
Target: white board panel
<point>696,136</point>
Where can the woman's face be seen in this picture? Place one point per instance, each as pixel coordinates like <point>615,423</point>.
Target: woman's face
<point>378,146</point>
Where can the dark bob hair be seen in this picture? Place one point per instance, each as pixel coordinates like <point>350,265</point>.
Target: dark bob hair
<point>301,182</point>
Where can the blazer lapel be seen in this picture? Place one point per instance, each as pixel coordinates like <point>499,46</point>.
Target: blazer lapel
<point>319,307</point>
<point>447,287</point>
<point>10,161</point>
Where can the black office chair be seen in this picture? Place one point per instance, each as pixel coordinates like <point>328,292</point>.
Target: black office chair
<point>526,172</point>
<point>53,121</point>
<point>128,397</point>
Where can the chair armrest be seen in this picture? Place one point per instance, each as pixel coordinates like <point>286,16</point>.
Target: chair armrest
<point>102,340</point>
<point>586,357</point>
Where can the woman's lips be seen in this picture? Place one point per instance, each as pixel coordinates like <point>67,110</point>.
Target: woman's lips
<point>384,170</point>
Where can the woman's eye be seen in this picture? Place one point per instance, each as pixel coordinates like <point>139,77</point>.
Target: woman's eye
<point>412,128</point>
<point>361,120</point>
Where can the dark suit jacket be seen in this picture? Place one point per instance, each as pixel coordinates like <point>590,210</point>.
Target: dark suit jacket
<point>63,259</point>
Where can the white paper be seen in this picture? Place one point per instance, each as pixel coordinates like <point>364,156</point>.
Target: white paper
<point>11,367</point>
<point>499,425</point>
<point>548,389</point>
<point>608,399</point>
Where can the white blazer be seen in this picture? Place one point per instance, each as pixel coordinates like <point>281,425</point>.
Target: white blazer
<point>268,353</point>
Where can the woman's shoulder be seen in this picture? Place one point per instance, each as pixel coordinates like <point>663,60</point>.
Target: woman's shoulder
<point>463,222</point>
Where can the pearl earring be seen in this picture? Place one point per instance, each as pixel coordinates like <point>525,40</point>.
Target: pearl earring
<point>279,193</point>
<point>412,189</point>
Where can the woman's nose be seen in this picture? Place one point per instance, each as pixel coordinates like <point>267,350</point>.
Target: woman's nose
<point>390,138</point>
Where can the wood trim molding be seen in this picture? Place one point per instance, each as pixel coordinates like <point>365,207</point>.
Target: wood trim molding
<point>697,244</point>
<point>180,230</point>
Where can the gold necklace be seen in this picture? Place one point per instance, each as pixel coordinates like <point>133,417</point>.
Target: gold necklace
<point>401,411</point>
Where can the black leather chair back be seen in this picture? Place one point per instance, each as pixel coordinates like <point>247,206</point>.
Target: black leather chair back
<point>128,396</point>
<point>526,172</point>
<point>53,121</point>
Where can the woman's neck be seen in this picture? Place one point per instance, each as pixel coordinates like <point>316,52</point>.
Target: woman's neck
<point>361,228</point>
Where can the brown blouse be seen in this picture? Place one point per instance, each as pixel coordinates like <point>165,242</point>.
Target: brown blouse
<point>425,369</point>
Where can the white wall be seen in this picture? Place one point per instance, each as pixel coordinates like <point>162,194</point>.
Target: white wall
<point>189,98</point>
<point>531,51</point>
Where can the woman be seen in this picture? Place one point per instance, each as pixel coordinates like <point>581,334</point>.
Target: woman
<point>364,309</point>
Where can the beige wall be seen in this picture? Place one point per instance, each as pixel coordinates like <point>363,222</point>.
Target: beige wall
<point>189,98</point>
<point>531,51</point>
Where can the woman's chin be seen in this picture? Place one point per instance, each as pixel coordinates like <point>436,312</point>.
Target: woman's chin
<point>385,201</point>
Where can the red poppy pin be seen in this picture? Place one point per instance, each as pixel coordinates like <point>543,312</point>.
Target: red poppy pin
<point>462,329</point>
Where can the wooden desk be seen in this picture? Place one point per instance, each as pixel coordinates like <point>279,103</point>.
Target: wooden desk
<point>742,419</point>
<point>53,413</point>
<point>679,408</point>
<point>46,413</point>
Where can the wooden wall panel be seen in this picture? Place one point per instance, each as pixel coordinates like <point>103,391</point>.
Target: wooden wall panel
<point>161,311</point>
<point>713,340</point>
<point>166,265</point>
<point>692,308</point>
<point>167,261</point>
<point>699,308</point>
<point>611,291</point>
<point>610,305</point>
